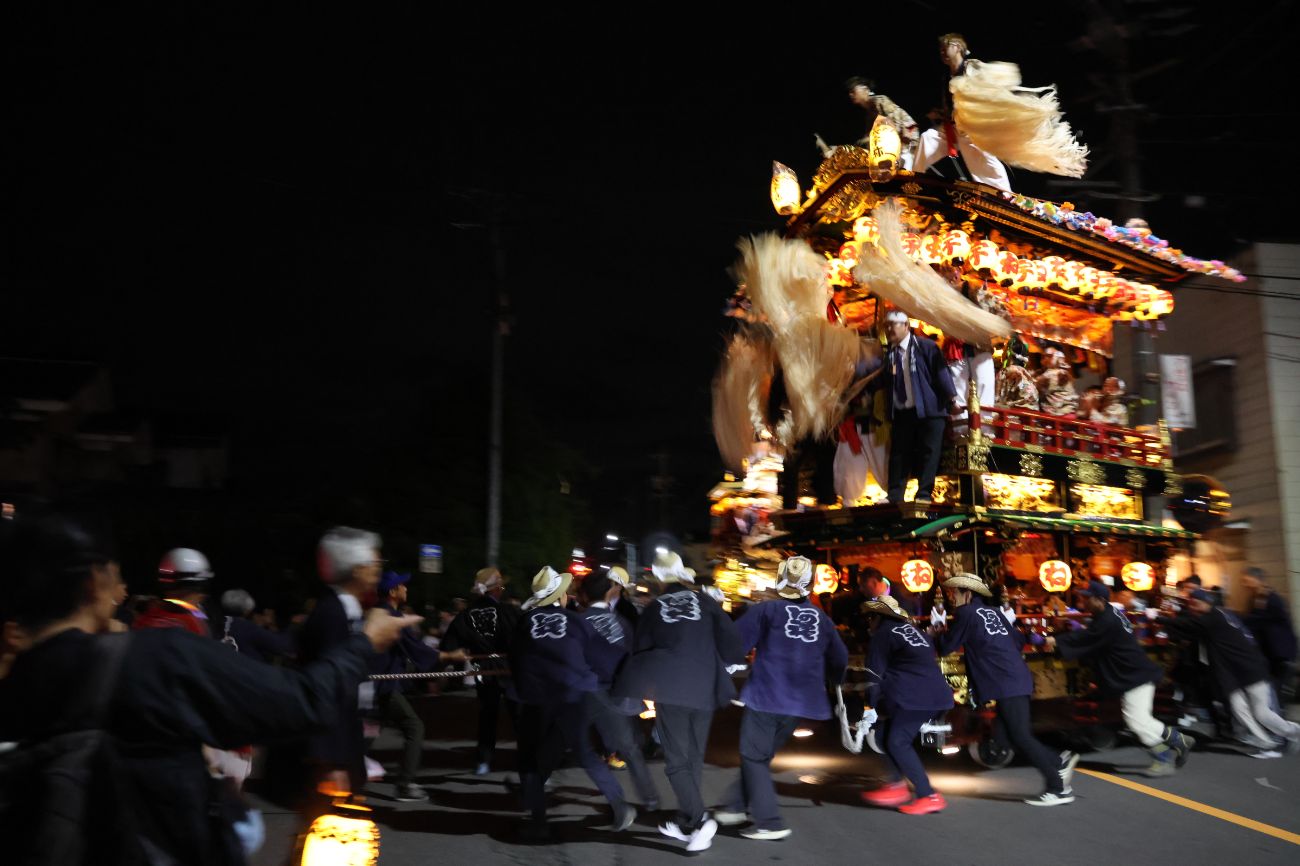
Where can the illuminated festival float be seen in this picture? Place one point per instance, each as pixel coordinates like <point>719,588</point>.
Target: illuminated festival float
<point>1056,484</point>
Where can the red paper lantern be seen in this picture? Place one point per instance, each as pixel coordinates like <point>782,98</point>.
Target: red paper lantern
<point>825,579</point>
<point>1138,576</point>
<point>917,575</point>
<point>1054,575</point>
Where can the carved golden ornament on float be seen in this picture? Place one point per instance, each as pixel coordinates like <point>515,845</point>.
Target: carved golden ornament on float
<point>917,575</point>
<point>1054,575</point>
<point>1138,576</point>
<point>825,578</point>
<point>785,189</point>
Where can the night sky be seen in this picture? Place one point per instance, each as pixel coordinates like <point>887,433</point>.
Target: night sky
<point>280,219</point>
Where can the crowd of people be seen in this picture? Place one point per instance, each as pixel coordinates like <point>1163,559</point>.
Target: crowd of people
<point>178,695</point>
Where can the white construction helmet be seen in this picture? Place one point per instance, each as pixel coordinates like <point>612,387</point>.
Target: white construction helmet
<point>184,565</point>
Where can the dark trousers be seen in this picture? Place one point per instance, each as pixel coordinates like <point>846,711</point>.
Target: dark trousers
<point>761,735</point>
<point>1014,727</point>
<point>490,697</point>
<point>545,734</point>
<point>396,712</point>
<point>616,733</point>
<point>900,757</point>
<point>684,734</point>
<point>914,448</point>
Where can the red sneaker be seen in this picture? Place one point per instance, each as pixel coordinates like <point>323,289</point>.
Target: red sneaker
<point>889,795</point>
<point>925,805</point>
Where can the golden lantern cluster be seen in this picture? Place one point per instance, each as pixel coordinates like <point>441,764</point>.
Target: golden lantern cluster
<point>1125,299</point>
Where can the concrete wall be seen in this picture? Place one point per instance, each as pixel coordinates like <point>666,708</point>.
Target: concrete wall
<point>1281,321</point>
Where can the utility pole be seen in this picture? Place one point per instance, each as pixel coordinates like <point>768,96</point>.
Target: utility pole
<point>501,328</point>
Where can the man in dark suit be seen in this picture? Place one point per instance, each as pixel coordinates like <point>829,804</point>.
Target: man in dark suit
<point>921,398</point>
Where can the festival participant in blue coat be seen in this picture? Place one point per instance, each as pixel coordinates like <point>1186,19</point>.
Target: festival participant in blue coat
<point>613,719</point>
<point>556,660</point>
<point>796,650</point>
<point>996,666</point>
<point>907,689</point>
<point>1123,668</point>
<point>684,644</point>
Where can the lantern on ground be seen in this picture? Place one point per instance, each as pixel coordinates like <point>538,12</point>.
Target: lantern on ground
<point>917,575</point>
<point>785,189</point>
<point>345,837</point>
<point>1054,575</point>
<point>885,147</point>
<point>1138,576</point>
<point>825,579</point>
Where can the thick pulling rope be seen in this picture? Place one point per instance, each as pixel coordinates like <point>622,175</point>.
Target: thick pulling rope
<point>474,671</point>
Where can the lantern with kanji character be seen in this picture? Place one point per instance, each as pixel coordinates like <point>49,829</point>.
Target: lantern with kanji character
<point>1138,576</point>
<point>885,147</point>
<point>983,256</point>
<point>917,575</point>
<point>912,243</point>
<point>956,246</point>
<point>866,230</point>
<point>1054,575</point>
<point>825,579</point>
<point>932,249</point>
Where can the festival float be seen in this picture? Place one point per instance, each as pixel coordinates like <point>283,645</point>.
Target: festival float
<point>1044,482</point>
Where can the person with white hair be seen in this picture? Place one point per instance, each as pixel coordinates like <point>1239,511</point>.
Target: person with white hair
<point>683,645</point>
<point>243,635</point>
<point>349,563</point>
<point>797,651</point>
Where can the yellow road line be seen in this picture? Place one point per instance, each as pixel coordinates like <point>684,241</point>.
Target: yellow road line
<point>1248,823</point>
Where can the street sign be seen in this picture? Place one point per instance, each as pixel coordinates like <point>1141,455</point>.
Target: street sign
<point>1176,392</point>
<point>431,559</point>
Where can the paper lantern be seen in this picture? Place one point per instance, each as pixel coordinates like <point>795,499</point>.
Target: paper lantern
<point>932,249</point>
<point>785,189</point>
<point>849,253</point>
<point>1072,276</point>
<point>983,256</point>
<point>1138,576</point>
<point>912,243</point>
<point>1032,274</point>
<point>885,147</point>
<point>1006,269</point>
<point>866,230</point>
<point>341,840</point>
<point>956,246</point>
<point>1054,575</point>
<point>917,575</point>
<point>825,579</point>
<point>1055,270</point>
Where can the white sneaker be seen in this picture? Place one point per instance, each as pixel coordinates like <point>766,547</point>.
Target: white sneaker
<point>1047,798</point>
<point>730,819</point>
<point>1266,754</point>
<point>672,831</point>
<point>702,838</point>
<point>760,833</point>
<point>1068,762</point>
